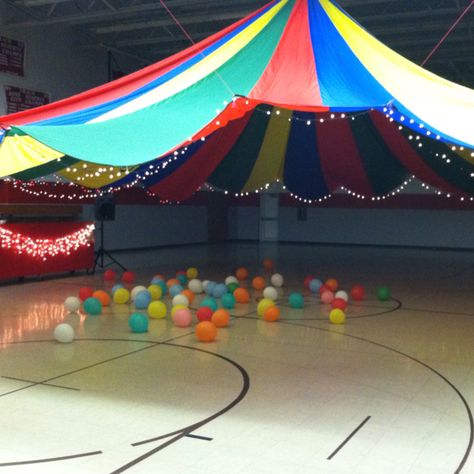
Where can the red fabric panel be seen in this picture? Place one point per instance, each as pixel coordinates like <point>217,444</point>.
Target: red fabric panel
<point>186,180</point>
<point>13,265</point>
<point>339,156</point>
<point>119,87</point>
<point>290,76</point>
<point>404,152</point>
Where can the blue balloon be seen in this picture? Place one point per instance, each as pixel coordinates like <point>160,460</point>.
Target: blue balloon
<point>210,287</point>
<point>182,279</point>
<point>315,285</point>
<point>209,302</point>
<point>116,287</point>
<point>92,306</point>
<point>138,322</point>
<point>219,290</point>
<point>142,299</point>
<point>296,300</point>
<point>155,281</point>
<point>228,301</point>
<point>176,290</point>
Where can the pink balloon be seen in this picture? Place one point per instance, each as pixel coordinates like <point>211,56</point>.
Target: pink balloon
<point>327,297</point>
<point>182,318</point>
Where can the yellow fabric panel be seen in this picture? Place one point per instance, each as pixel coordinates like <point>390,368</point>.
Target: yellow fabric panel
<point>439,103</point>
<point>21,152</point>
<point>271,157</point>
<point>199,71</point>
<point>84,174</point>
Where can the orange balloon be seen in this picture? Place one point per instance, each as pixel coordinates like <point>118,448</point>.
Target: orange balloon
<point>171,282</point>
<point>268,264</point>
<point>102,296</point>
<point>221,318</point>
<point>258,283</point>
<point>206,331</point>
<point>242,273</point>
<point>332,284</point>
<point>241,295</point>
<point>271,314</point>
<point>189,294</point>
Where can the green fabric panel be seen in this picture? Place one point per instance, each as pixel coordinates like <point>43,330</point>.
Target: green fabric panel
<point>235,169</point>
<point>43,170</point>
<point>383,169</point>
<point>150,132</point>
<point>457,172</point>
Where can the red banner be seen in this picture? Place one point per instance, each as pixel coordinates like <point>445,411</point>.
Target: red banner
<point>19,99</point>
<point>12,56</point>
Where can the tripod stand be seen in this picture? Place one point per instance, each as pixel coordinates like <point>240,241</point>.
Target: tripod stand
<point>101,252</point>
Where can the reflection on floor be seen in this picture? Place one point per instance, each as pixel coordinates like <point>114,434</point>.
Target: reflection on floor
<point>388,392</point>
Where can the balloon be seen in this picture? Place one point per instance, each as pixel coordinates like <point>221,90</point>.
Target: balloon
<point>210,287</point>
<point>85,292</point>
<point>219,290</point>
<point>171,282</point>
<point>72,304</point>
<point>92,306</point>
<point>116,287</point>
<point>332,284</point>
<point>138,322</point>
<point>296,300</point>
<point>258,283</point>
<point>315,284</point>
<point>204,313</point>
<point>110,275</point>
<point>157,310</point>
<point>176,290</point>
<point>206,331</point>
<point>155,291</point>
<point>102,296</point>
<point>180,299</point>
<point>383,294</point>
<point>121,296</point>
<point>271,314</point>
<point>182,318</point>
<point>231,287</point>
<point>177,308</point>
<point>242,273</point>
<point>270,293</point>
<point>195,286</point>
<point>136,290</point>
<point>242,296</point>
<point>339,303</point>
<point>268,264</point>
<point>263,304</point>
<point>211,302</point>
<point>64,333</point>
<point>228,301</point>
<point>231,279</point>
<point>307,281</point>
<point>142,299</point>
<point>277,280</point>
<point>358,293</point>
<point>327,297</point>
<point>182,278</point>
<point>192,273</point>
<point>342,294</point>
<point>221,318</point>
<point>128,277</point>
<point>189,295</point>
<point>337,316</point>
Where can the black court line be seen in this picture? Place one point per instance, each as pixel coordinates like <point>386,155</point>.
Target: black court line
<point>61,458</point>
<point>347,439</point>
<point>204,438</point>
<point>40,383</point>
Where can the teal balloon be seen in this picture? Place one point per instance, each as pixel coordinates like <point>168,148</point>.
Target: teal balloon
<point>296,300</point>
<point>210,303</point>
<point>92,306</point>
<point>182,279</point>
<point>383,294</point>
<point>228,301</point>
<point>138,322</point>
<point>162,285</point>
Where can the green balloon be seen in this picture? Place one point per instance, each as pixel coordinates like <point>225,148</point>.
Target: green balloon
<point>92,306</point>
<point>228,301</point>
<point>231,287</point>
<point>383,294</point>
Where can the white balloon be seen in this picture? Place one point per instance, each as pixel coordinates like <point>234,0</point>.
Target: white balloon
<point>180,299</point>
<point>135,291</point>
<point>270,293</point>
<point>231,279</point>
<point>342,294</point>
<point>72,304</point>
<point>204,284</point>
<point>277,280</point>
<point>64,333</point>
<point>196,286</point>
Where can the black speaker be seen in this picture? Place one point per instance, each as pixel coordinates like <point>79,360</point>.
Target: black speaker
<point>104,208</point>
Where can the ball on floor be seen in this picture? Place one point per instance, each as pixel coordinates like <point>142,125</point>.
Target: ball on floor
<point>180,299</point>
<point>135,291</point>
<point>176,290</point>
<point>157,310</point>
<point>204,313</point>
<point>195,286</point>
<point>110,275</point>
<point>64,333</point>
<point>271,314</point>
<point>296,300</point>
<point>358,293</point>
<point>231,279</point>
<point>102,296</point>
<point>315,284</point>
<point>128,277</point>
<point>327,297</point>
<point>228,301</point>
<point>138,322</point>
<point>263,304</point>
<point>206,331</point>
<point>142,299</point>
<point>383,293</point>
<point>332,284</point>
<point>270,292</point>
<point>72,304</point>
<point>242,296</point>
<point>219,290</point>
<point>92,306</point>
<point>277,280</point>
<point>221,318</point>
<point>121,296</point>
<point>85,292</point>
<point>242,273</point>
<point>182,318</point>
<point>342,294</point>
<point>337,316</point>
<point>258,283</point>
<point>211,302</point>
<point>155,291</point>
<point>192,272</point>
<point>339,303</point>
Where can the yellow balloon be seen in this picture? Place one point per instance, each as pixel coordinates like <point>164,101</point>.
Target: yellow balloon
<point>157,310</point>
<point>337,316</point>
<point>121,296</point>
<point>155,291</point>
<point>192,272</point>
<point>263,305</point>
<point>177,307</point>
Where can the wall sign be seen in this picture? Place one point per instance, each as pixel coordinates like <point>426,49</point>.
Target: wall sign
<point>18,99</point>
<point>12,56</point>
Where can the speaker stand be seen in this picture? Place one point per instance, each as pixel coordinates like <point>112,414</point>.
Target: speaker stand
<point>101,252</point>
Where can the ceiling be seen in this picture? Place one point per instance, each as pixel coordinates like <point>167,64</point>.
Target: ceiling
<point>144,30</point>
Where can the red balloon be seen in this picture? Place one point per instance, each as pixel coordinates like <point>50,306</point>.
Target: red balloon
<point>109,275</point>
<point>128,277</point>
<point>307,281</point>
<point>324,288</point>
<point>204,313</point>
<point>358,293</point>
<point>339,303</point>
<point>85,292</point>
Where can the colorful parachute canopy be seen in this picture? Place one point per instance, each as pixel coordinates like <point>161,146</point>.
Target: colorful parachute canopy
<point>296,91</point>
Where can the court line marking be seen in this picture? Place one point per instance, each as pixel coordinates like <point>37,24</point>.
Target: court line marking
<point>61,458</point>
<point>40,383</point>
<point>204,438</point>
<point>348,438</point>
